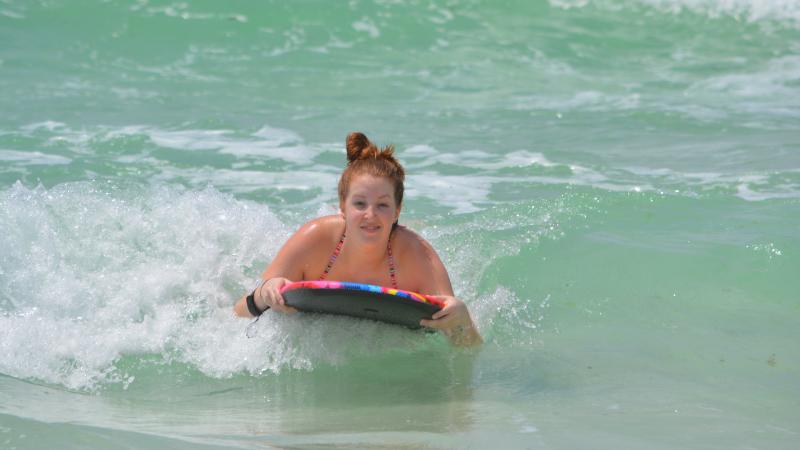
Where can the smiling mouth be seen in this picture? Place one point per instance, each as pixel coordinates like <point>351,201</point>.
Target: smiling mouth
<point>370,228</point>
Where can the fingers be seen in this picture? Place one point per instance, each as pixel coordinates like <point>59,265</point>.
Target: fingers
<point>284,309</point>
<point>276,299</point>
<point>279,305</point>
<point>270,296</point>
<point>450,306</point>
<point>261,297</point>
<point>453,315</point>
<point>432,324</point>
<point>441,320</point>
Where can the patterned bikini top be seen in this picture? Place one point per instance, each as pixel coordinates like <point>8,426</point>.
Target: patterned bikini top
<point>339,249</point>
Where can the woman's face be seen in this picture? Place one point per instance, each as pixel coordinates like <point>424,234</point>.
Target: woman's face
<point>369,208</point>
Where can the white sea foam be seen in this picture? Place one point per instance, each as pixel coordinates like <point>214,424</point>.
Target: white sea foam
<point>181,10</point>
<point>520,158</point>
<point>766,91</point>
<point>750,10</point>
<point>585,100</point>
<point>32,158</point>
<point>270,142</point>
<point>462,193</point>
<point>243,181</point>
<point>134,94</point>
<point>420,151</point>
<point>190,139</point>
<point>49,125</point>
<point>93,274</point>
<point>421,156</point>
<point>751,187</point>
<point>488,172</point>
<point>777,78</point>
<point>746,191</point>
<point>441,16</point>
<point>787,11</point>
<point>11,14</point>
<point>368,26</point>
<point>277,137</point>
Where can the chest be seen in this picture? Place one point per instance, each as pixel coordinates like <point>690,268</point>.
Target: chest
<point>377,274</point>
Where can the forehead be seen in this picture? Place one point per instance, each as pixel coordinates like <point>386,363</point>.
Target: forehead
<point>371,185</point>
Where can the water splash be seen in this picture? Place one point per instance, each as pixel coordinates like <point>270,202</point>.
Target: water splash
<point>94,273</point>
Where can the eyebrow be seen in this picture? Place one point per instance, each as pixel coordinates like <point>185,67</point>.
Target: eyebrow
<point>362,195</point>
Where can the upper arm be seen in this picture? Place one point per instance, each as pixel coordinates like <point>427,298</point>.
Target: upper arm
<point>433,275</point>
<point>292,259</point>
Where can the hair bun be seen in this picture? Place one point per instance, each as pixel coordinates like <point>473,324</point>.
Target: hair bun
<point>364,158</point>
<point>359,147</point>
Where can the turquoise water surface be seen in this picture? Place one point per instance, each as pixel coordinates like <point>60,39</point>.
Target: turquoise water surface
<point>614,186</point>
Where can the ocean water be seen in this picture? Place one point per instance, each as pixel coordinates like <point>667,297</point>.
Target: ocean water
<point>614,186</point>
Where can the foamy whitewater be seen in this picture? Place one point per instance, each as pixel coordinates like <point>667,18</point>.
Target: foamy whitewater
<point>614,186</point>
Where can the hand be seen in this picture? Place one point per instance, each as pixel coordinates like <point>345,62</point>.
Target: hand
<point>269,295</point>
<point>454,319</point>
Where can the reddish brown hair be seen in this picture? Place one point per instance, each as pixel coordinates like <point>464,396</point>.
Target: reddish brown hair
<point>363,157</point>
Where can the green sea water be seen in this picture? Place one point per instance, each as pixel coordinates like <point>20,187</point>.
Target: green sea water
<point>614,186</point>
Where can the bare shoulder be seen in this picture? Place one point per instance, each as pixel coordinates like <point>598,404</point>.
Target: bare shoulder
<point>314,235</point>
<point>306,249</point>
<point>321,229</point>
<point>413,246</point>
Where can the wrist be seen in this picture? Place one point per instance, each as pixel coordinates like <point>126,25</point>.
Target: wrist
<point>256,302</point>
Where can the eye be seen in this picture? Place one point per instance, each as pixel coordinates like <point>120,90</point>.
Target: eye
<point>359,203</point>
<point>383,205</point>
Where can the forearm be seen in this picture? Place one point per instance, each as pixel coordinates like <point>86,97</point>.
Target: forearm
<point>464,335</point>
<point>240,308</point>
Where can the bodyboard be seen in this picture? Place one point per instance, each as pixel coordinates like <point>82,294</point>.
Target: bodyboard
<point>364,301</point>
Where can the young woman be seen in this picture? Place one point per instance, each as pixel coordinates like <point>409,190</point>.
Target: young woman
<point>364,244</point>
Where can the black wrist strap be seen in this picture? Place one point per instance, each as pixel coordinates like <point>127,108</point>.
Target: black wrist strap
<point>251,305</point>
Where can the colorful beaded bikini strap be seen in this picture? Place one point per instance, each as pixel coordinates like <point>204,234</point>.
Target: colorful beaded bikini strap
<point>391,263</point>
<point>333,257</point>
<point>339,246</point>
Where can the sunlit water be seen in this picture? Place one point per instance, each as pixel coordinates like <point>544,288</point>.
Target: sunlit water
<point>614,187</point>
